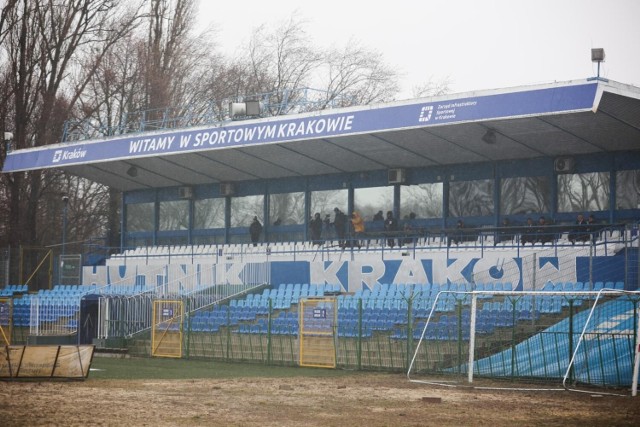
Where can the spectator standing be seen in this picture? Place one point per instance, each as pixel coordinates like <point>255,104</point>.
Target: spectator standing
<point>315,225</point>
<point>378,216</point>
<point>390,227</point>
<point>458,236</point>
<point>358,227</point>
<point>339,224</point>
<point>326,226</point>
<point>254,230</point>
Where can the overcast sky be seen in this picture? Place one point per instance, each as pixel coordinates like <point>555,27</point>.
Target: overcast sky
<point>476,44</point>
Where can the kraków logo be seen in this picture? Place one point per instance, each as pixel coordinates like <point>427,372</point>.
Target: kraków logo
<point>425,113</point>
<point>59,155</point>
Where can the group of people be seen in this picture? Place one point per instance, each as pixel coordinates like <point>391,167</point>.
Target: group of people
<point>536,233</point>
<point>316,226</point>
<point>340,225</point>
<point>532,232</point>
<point>584,230</point>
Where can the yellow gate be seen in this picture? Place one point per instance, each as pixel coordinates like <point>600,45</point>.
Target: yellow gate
<point>166,333</point>
<point>318,319</point>
<point>6,321</point>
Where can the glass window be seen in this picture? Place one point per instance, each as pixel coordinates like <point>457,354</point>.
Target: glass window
<point>583,192</point>
<point>424,200</point>
<point>243,209</point>
<point>174,215</point>
<point>628,189</point>
<point>471,198</point>
<point>140,217</point>
<point>286,208</point>
<point>208,213</point>
<point>525,195</point>
<point>324,202</point>
<point>368,201</point>
<point>172,241</point>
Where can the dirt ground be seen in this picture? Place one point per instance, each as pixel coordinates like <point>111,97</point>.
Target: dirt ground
<point>363,400</point>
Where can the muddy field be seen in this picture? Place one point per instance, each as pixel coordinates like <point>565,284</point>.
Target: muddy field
<point>360,400</point>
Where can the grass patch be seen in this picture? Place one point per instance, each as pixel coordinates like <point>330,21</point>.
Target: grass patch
<point>165,368</point>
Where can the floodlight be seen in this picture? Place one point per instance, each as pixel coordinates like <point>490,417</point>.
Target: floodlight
<point>237,109</point>
<point>597,55</point>
<point>252,108</point>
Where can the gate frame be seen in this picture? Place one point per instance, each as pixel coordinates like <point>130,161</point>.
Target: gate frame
<point>321,334</point>
<point>156,341</point>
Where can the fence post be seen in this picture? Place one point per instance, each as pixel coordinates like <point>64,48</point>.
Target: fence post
<point>571,368</point>
<point>409,330</point>
<point>460,320</point>
<point>187,317</point>
<point>359,340</point>
<point>269,336</point>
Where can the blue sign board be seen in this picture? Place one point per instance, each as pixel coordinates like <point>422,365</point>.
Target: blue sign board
<point>559,99</point>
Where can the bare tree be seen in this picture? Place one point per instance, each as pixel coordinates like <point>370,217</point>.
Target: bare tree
<point>357,75</point>
<point>150,80</point>
<point>51,50</point>
<point>280,63</point>
<point>432,88</point>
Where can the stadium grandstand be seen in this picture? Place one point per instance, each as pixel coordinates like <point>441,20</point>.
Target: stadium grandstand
<point>483,269</point>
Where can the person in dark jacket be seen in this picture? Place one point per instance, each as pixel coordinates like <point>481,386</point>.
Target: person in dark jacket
<point>340,224</point>
<point>315,226</point>
<point>543,233</point>
<point>390,226</point>
<point>579,233</point>
<point>254,230</point>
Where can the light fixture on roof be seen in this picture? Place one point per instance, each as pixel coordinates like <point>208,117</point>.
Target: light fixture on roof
<point>489,136</point>
<point>242,110</point>
<point>132,171</point>
<point>597,55</point>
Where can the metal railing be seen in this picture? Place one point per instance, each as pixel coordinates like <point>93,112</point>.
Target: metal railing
<point>211,112</point>
<point>125,316</point>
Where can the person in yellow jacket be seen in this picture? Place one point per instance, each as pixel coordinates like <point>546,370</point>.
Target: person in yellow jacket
<point>358,227</point>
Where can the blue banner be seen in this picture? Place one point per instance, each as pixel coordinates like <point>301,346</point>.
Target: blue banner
<point>309,127</point>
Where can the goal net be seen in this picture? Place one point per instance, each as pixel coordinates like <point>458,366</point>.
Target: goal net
<point>566,336</point>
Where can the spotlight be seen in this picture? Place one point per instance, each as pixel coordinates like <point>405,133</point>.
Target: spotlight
<point>132,171</point>
<point>489,136</point>
<point>597,56</point>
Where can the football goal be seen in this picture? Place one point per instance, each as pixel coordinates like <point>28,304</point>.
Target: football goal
<point>568,336</point>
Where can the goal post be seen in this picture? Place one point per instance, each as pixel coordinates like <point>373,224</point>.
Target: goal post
<point>573,339</point>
